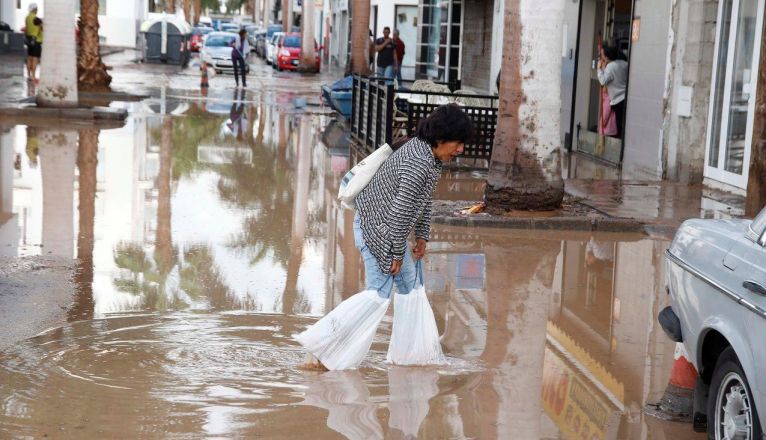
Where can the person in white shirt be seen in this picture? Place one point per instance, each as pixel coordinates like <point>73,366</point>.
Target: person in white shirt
<point>239,51</point>
<point>613,73</point>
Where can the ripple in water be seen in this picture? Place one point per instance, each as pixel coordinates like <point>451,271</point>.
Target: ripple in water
<point>199,374</point>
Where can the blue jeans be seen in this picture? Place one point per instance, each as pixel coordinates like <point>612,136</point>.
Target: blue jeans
<point>385,72</point>
<point>375,279</point>
<point>239,66</point>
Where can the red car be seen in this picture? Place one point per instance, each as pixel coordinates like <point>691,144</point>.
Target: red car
<point>289,52</point>
<point>197,38</point>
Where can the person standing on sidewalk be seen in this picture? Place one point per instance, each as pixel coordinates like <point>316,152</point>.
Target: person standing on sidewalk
<point>386,50</point>
<point>613,74</point>
<point>33,33</point>
<point>239,52</point>
<point>399,59</point>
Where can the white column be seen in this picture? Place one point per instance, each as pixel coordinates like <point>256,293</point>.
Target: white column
<point>58,66</point>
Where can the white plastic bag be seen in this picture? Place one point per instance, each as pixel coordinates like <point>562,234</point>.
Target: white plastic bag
<point>359,177</point>
<point>414,336</point>
<point>342,338</point>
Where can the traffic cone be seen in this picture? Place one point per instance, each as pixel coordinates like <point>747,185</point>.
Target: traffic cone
<point>203,84</point>
<point>677,403</point>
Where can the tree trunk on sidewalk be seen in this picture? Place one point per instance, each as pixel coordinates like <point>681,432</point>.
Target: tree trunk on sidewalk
<point>170,6</point>
<point>197,12</point>
<point>91,70</point>
<point>58,68</point>
<point>525,168</point>
<point>308,50</point>
<point>360,37</point>
<point>756,182</point>
<point>187,11</point>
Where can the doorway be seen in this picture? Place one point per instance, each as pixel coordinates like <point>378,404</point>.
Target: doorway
<point>732,96</point>
<point>599,23</point>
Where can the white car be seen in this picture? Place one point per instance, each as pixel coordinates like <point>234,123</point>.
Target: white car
<point>216,52</point>
<point>273,47</point>
<point>717,283</point>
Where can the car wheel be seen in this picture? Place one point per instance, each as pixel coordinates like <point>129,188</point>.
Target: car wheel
<point>730,407</point>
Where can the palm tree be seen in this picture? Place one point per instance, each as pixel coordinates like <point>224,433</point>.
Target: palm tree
<point>91,70</point>
<point>197,11</point>
<point>58,68</point>
<point>525,167</point>
<point>170,6</point>
<point>360,37</point>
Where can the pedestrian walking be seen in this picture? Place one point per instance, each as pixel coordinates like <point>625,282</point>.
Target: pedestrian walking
<point>399,59</point>
<point>240,49</point>
<point>33,37</point>
<point>395,202</point>
<point>386,50</point>
<point>613,73</point>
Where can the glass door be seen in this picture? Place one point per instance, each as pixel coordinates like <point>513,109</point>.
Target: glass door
<point>733,91</point>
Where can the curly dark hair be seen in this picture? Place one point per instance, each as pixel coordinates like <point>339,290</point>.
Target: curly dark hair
<point>447,123</point>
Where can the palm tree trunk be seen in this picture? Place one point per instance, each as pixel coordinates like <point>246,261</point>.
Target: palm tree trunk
<point>360,37</point>
<point>286,25</point>
<point>87,161</point>
<point>170,6</point>
<point>525,168</point>
<point>163,239</point>
<point>91,71</point>
<point>197,11</point>
<point>187,11</point>
<point>58,68</point>
<point>308,52</point>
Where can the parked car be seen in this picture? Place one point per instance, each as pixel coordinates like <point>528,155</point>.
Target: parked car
<point>716,273</point>
<point>216,52</point>
<point>251,30</point>
<point>289,53</point>
<point>198,36</point>
<point>273,46</point>
<point>260,44</point>
<point>229,27</point>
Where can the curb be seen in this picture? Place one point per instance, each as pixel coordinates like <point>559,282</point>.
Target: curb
<point>587,224</point>
<point>71,113</point>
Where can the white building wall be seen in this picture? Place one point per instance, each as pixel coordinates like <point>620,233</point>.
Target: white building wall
<point>119,26</point>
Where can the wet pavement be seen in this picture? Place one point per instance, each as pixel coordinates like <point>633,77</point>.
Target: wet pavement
<point>205,232</point>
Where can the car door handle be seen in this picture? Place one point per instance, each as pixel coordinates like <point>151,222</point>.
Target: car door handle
<point>754,287</point>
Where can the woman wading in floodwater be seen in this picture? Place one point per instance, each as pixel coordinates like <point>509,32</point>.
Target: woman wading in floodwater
<point>395,202</point>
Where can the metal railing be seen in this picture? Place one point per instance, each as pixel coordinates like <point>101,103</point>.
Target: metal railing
<point>382,114</point>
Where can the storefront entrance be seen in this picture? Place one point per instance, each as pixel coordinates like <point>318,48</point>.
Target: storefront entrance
<point>730,123</point>
<point>596,23</point>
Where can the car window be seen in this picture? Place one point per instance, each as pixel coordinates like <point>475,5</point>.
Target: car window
<point>759,224</point>
<point>292,41</point>
<point>217,41</point>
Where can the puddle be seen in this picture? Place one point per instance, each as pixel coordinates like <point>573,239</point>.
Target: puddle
<point>206,231</point>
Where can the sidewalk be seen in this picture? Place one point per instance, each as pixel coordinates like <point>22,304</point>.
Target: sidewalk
<point>599,201</point>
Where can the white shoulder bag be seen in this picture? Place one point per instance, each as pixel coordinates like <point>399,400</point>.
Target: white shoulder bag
<point>359,177</point>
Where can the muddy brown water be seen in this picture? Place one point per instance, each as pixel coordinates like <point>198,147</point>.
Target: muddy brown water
<point>206,237</point>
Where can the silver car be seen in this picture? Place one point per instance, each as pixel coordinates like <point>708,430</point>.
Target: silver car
<point>717,282</point>
<point>273,47</point>
<point>216,52</point>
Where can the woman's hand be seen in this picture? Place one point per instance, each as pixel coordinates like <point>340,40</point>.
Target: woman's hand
<point>396,267</point>
<point>419,251</point>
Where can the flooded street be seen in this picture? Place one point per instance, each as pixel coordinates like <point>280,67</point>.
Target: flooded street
<point>205,232</point>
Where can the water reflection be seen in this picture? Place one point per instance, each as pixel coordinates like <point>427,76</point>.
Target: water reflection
<point>222,214</point>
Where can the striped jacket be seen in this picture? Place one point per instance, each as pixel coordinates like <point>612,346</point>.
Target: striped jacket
<point>397,199</point>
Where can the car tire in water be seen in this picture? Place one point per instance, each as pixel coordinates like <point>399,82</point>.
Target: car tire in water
<point>730,405</point>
